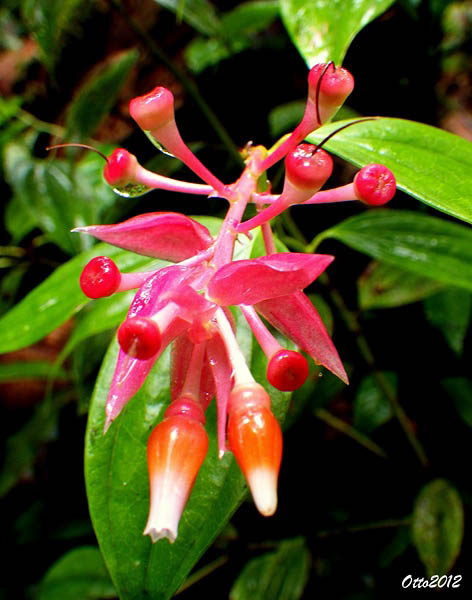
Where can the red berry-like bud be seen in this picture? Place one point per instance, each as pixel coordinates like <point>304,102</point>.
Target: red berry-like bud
<point>255,439</point>
<point>375,185</point>
<point>100,277</point>
<point>287,370</point>
<point>153,110</point>
<point>186,406</point>
<point>139,337</point>
<point>120,168</point>
<point>308,168</point>
<point>336,85</point>
<point>176,450</point>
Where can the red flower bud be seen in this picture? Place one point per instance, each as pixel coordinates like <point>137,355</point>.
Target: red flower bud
<point>120,168</point>
<point>308,168</point>
<point>139,337</point>
<point>375,185</point>
<point>335,86</point>
<point>287,370</point>
<point>153,110</point>
<point>100,277</point>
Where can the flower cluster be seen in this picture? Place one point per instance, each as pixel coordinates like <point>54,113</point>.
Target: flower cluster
<point>186,304</point>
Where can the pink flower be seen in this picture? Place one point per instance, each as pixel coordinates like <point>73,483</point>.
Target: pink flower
<point>186,304</point>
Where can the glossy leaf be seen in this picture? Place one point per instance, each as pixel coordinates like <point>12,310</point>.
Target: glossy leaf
<point>438,526</point>
<point>323,29</point>
<point>279,575</point>
<point>449,311</point>
<point>200,14</point>
<point>430,164</point>
<point>371,406</point>
<point>428,246</point>
<point>383,285</point>
<point>459,389</point>
<point>116,477</point>
<point>57,298</point>
<point>97,95</point>
<point>80,573</point>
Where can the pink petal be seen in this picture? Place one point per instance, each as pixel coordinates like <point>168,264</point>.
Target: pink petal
<point>296,317</point>
<point>252,281</point>
<point>165,235</point>
<point>222,375</point>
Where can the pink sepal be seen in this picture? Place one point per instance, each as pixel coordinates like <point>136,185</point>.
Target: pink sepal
<point>166,235</point>
<point>252,281</point>
<point>296,318</point>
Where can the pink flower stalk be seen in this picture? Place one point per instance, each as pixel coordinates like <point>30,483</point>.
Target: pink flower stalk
<point>186,304</point>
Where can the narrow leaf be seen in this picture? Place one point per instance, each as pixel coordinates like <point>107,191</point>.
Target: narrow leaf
<point>431,165</point>
<point>428,246</point>
<point>57,298</point>
<point>200,14</point>
<point>438,526</point>
<point>460,390</point>
<point>80,573</point>
<point>279,575</point>
<point>97,95</point>
<point>323,29</point>
<point>383,285</point>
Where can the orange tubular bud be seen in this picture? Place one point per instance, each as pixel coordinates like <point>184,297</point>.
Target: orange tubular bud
<point>176,450</point>
<point>255,439</point>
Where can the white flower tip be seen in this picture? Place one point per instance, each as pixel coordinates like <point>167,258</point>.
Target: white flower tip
<point>263,485</point>
<point>160,534</point>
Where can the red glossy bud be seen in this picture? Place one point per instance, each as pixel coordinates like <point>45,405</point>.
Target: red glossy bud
<point>120,168</point>
<point>139,337</point>
<point>255,439</point>
<point>287,370</point>
<point>336,85</point>
<point>375,185</point>
<point>176,450</point>
<point>308,168</point>
<point>153,110</point>
<point>100,277</point>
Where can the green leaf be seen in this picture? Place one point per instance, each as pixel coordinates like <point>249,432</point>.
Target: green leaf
<point>431,165</point>
<point>383,285</point>
<point>279,575</point>
<point>323,29</point>
<point>371,406</point>
<point>51,21</point>
<point>428,246</point>
<point>78,574</point>
<point>200,14</point>
<point>97,95</point>
<point>28,370</point>
<point>449,311</point>
<point>438,526</point>
<point>117,486</point>
<point>460,390</point>
<point>285,117</point>
<point>59,297</point>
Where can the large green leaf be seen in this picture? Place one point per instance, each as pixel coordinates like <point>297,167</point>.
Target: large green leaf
<point>97,95</point>
<point>117,486</point>
<point>323,29</point>
<point>432,165</point>
<point>80,573</point>
<point>438,526</point>
<point>279,575</point>
<point>58,298</point>
<point>449,311</point>
<point>416,242</point>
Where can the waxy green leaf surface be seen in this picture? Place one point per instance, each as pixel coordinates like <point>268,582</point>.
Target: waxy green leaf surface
<point>425,245</point>
<point>323,29</point>
<point>432,165</point>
